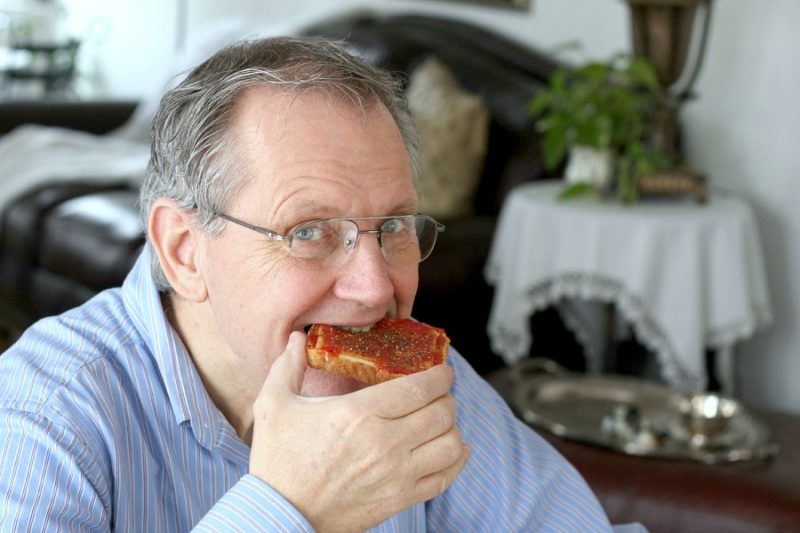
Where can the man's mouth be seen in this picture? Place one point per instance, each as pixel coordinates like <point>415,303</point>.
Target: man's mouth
<point>356,329</point>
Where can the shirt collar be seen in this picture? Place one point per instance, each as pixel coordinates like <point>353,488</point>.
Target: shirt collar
<point>187,395</point>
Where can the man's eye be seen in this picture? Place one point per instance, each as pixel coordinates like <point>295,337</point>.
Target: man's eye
<point>309,233</point>
<point>393,225</point>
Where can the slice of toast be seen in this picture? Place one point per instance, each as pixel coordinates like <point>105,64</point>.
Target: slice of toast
<point>390,349</point>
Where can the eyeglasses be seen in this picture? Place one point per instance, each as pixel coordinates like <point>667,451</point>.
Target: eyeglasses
<point>403,239</point>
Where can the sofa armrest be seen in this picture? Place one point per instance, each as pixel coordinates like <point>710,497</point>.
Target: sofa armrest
<point>96,116</point>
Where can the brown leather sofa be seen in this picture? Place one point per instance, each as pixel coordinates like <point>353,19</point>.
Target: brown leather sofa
<point>62,243</point>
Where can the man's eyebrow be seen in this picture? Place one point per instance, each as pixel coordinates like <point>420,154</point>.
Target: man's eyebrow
<point>293,207</point>
<point>404,208</point>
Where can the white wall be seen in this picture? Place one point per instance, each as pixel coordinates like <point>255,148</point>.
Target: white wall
<point>126,44</point>
<point>743,130</point>
<point>135,41</point>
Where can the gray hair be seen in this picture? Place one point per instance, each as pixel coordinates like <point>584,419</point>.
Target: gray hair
<point>190,137</point>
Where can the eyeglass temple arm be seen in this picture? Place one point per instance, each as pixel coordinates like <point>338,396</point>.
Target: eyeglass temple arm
<point>271,234</point>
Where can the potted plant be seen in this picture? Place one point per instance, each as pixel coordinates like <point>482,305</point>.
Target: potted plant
<point>601,111</point>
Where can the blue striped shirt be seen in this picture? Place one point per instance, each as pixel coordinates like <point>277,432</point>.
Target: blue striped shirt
<point>105,425</point>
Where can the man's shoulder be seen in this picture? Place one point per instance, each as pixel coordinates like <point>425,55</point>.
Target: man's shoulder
<point>468,384</point>
<point>76,353</point>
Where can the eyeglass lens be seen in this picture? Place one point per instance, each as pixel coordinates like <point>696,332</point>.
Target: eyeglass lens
<point>402,239</point>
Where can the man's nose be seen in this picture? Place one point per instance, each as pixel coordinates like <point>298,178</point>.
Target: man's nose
<point>365,275</point>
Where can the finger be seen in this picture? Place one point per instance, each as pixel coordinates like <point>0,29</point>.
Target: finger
<point>437,454</point>
<point>287,371</point>
<point>402,396</point>
<point>433,420</point>
<point>436,483</point>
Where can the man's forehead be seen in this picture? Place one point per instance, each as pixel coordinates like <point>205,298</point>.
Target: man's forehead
<point>336,196</point>
<point>285,97</point>
<point>262,113</point>
<point>298,153</point>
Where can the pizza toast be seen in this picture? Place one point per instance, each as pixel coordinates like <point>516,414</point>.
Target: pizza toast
<point>389,349</point>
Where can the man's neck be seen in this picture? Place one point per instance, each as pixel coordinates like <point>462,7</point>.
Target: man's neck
<point>215,364</point>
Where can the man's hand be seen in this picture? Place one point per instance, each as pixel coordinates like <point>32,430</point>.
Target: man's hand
<point>350,462</point>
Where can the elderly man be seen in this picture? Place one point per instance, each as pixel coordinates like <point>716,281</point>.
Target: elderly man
<point>280,193</point>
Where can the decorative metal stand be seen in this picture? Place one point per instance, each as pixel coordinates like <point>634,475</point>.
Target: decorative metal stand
<point>666,33</point>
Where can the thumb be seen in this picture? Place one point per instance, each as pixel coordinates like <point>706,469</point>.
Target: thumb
<point>287,371</point>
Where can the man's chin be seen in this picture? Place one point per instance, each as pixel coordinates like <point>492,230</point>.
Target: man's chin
<point>322,383</point>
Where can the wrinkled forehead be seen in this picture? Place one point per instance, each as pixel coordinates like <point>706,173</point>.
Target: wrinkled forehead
<point>263,112</point>
<point>309,141</point>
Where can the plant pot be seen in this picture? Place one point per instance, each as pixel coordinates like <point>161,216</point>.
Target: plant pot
<point>590,165</point>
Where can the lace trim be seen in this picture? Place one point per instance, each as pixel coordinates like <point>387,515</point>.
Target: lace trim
<point>729,335</point>
<point>595,287</point>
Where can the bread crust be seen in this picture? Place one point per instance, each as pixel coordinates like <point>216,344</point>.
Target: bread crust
<point>362,370</point>
<point>367,367</point>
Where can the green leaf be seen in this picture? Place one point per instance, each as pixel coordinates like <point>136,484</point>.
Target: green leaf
<point>558,81</point>
<point>575,190</point>
<point>644,73</point>
<point>539,103</point>
<point>554,149</point>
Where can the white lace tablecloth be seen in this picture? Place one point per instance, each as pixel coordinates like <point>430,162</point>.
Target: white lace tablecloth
<point>685,276</point>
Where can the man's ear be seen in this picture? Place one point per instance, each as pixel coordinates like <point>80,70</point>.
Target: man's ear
<point>176,242</point>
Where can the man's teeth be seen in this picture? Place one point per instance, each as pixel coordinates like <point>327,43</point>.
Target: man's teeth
<point>357,329</point>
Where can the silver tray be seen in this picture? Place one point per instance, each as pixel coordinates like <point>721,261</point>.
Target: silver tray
<point>638,417</point>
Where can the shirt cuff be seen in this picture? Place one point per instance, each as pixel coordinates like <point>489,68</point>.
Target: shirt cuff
<point>252,505</point>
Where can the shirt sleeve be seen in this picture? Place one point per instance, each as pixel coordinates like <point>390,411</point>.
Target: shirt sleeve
<point>49,480</point>
<point>252,505</point>
<point>514,480</point>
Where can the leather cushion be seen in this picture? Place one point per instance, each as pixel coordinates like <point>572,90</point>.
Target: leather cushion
<point>93,239</point>
<point>453,128</point>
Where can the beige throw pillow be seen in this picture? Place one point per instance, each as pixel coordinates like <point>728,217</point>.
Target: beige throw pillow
<point>453,127</point>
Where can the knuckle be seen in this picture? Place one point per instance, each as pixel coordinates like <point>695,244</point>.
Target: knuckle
<point>448,446</point>
<point>445,415</point>
<point>415,389</point>
<point>450,404</point>
<point>454,446</point>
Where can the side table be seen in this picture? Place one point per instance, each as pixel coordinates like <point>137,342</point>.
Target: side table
<point>685,276</point>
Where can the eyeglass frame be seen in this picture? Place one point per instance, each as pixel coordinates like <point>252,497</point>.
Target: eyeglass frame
<point>274,235</point>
